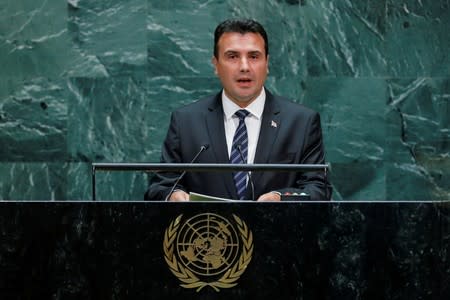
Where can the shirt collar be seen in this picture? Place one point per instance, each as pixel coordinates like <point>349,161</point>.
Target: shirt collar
<point>255,108</point>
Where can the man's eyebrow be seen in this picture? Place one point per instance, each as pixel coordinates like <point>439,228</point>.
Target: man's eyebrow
<point>231,52</point>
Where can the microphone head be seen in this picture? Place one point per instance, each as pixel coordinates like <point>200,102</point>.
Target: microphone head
<point>204,147</point>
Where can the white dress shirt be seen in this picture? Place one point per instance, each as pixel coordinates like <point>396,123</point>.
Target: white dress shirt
<point>252,122</point>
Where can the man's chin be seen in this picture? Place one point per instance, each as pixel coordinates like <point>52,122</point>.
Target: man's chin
<point>245,100</point>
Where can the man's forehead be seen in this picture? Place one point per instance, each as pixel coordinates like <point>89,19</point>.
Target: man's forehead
<point>241,36</point>
<point>231,50</point>
<point>241,42</point>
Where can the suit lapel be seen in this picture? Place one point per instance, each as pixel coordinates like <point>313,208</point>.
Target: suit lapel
<point>270,126</point>
<point>216,132</point>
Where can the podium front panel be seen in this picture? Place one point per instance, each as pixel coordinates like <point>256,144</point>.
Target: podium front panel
<point>159,250</point>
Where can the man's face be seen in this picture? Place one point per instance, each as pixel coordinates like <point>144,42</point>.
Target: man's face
<point>242,66</point>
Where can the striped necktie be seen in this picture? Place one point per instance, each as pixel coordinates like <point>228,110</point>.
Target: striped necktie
<point>239,152</point>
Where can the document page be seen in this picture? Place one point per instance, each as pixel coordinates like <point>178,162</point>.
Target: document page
<point>201,197</point>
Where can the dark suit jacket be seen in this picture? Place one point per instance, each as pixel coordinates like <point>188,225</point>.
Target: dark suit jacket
<point>296,139</point>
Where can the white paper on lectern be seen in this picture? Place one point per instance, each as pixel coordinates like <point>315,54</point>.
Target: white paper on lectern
<point>201,197</point>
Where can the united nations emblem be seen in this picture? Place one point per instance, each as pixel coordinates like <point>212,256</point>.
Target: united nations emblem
<point>208,250</point>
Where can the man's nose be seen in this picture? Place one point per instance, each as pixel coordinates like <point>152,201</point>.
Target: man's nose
<point>244,67</point>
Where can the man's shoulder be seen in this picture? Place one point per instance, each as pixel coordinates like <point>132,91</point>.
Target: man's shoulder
<point>291,106</point>
<point>199,105</point>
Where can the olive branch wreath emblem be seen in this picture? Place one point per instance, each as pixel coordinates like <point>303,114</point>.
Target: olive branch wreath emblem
<point>188,278</point>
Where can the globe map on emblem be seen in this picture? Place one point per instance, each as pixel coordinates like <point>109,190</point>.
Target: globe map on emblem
<point>208,244</point>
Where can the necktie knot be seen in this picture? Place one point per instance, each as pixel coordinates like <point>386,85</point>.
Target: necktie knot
<point>242,114</point>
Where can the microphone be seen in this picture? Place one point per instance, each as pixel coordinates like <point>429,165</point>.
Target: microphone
<point>250,180</point>
<point>202,148</point>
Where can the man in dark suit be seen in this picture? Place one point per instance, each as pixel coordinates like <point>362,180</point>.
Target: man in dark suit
<point>244,123</point>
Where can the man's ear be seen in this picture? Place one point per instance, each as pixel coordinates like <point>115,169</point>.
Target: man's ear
<point>267,62</point>
<point>214,62</point>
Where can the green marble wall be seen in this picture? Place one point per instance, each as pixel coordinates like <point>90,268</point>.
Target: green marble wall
<point>94,81</point>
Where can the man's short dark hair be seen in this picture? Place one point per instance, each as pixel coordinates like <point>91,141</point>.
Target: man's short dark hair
<point>241,26</point>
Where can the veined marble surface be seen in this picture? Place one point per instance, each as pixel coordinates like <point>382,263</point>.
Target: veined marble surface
<point>95,81</point>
